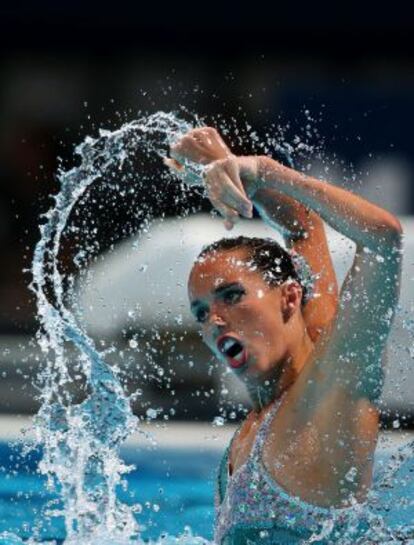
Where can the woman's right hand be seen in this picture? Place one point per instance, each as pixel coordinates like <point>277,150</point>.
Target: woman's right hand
<point>201,145</point>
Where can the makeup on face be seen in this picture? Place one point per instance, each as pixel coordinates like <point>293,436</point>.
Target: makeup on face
<point>227,292</point>
<point>227,344</point>
<point>235,307</point>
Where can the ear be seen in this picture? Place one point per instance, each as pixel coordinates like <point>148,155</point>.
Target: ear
<point>291,298</point>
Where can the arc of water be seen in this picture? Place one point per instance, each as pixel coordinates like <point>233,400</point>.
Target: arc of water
<point>81,442</point>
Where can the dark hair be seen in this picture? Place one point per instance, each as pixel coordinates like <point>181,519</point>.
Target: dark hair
<point>267,255</point>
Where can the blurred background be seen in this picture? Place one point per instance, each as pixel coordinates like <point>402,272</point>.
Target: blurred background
<point>68,69</point>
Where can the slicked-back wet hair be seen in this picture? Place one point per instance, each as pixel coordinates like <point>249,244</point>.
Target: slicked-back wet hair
<point>264,254</point>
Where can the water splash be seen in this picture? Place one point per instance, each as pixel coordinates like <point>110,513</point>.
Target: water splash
<point>81,441</point>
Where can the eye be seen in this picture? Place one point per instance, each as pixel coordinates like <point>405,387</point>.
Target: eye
<point>201,315</point>
<point>233,296</point>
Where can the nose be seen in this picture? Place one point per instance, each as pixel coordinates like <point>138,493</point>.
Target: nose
<point>212,327</point>
<point>217,320</point>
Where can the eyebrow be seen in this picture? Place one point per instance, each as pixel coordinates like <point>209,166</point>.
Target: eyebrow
<point>223,287</point>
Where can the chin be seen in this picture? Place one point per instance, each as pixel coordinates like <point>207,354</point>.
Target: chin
<point>259,369</point>
<point>267,370</point>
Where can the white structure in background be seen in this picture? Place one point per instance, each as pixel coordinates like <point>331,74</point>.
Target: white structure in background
<point>387,182</point>
<point>145,279</point>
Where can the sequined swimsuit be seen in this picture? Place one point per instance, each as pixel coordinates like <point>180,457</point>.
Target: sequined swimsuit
<point>252,508</point>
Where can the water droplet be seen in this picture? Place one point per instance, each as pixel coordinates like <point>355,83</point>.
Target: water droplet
<point>151,413</point>
<point>350,476</point>
<point>178,319</point>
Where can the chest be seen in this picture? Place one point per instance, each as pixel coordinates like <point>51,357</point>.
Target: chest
<point>301,451</point>
<point>307,460</point>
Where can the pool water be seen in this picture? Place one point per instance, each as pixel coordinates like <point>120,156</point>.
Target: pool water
<point>174,490</point>
<point>174,487</point>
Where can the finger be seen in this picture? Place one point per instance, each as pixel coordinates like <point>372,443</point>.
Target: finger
<point>235,187</point>
<point>172,163</point>
<point>176,151</point>
<point>187,175</point>
<point>229,214</point>
<point>198,135</point>
<point>203,131</point>
<point>234,175</point>
<point>228,224</point>
<point>223,189</point>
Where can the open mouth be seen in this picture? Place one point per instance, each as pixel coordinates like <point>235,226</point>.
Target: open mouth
<point>233,350</point>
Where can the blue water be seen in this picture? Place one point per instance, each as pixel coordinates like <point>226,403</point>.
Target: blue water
<point>174,487</point>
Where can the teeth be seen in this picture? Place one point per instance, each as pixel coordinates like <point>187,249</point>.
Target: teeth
<point>228,343</point>
<point>232,348</point>
<point>239,356</point>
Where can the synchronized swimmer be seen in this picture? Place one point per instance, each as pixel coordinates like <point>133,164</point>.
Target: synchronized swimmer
<point>312,365</point>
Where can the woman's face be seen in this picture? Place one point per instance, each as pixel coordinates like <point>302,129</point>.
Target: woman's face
<point>241,316</point>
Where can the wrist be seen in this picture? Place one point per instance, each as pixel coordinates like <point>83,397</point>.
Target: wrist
<point>272,179</point>
<point>223,153</point>
<point>249,168</point>
<point>270,170</point>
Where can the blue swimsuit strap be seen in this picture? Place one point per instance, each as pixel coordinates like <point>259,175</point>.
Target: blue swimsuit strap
<point>263,430</point>
<point>223,473</point>
<point>260,435</point>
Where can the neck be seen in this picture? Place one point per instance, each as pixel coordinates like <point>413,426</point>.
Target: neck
<point>264,390</point>
<point>261,393</point>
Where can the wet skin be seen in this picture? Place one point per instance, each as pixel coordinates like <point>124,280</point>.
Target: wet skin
<point>227,297</point>
<point>327,423</point>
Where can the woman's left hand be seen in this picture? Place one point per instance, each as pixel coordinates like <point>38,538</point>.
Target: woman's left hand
<point>228,183</point>
<point>228,179</point>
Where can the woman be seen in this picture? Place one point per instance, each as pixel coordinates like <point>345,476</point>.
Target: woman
<point>301,463</point>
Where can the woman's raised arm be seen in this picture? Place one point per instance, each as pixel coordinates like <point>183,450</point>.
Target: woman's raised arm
<point>370,292</point>
<point>304,232</point>
<point>365,223</point>
<point>303,229</point>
